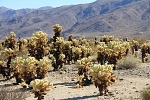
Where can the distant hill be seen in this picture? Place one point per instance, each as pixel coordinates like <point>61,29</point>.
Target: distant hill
<point>121,18</point>
<point>45,8</point>
<point>6,13</point>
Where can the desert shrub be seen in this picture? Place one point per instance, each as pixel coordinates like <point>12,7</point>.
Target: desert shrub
<point>139,39</point>
<point>128,62</point>
<point>1,76</point>
<point>10,94</point>
<point>145,94</point>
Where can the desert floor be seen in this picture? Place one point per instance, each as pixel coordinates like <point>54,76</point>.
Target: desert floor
<point>128,85</point>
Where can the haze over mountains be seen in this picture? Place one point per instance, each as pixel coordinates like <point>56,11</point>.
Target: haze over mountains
<point>120,18</point>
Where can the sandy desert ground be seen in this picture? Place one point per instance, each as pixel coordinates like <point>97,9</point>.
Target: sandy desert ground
<point>128,86</point>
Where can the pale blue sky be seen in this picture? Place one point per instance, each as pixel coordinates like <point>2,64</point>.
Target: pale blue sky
<point>19,4</point>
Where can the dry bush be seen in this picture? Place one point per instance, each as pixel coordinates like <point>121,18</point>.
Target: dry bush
<point>129,62</point>
<point>139,39</point>
<point>1,76</point>
<point>10,94</point>
<point>145,94</point>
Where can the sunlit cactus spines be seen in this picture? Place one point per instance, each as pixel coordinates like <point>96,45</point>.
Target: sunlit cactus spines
<point>43,66</point>
<point>12,35</point>
<point>57,28</point>
<point>111,38</point>
<point>102,76</point>
<point>83,66</point>
<point>40,88</point>
<point>144,51</point>
<point>10,41</point>
<point>40,38</point>
<point>60,41</point>
<point>25,67</point>
<point>32,58</point>
<point>76,53</point>
<point>6,53</point>
<point>70,37</point>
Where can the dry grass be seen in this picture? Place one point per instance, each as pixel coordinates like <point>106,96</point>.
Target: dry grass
<point>129,62</point>
<point>146,94</point>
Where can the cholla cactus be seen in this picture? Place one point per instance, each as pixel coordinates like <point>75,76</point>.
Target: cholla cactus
<point>135,46</point>
<point>10,42</point>
<point>76,53</point>
<point>52,58</point>
<point>57,28</point>
<point>144,50</point>
<point>40,38</point>
<point>67,44</point>
<point>105,39</point>
<point>43,67</point>
<point>32,41</point>
<point>24,66</point>
<point>75,42</point>
<point>12,34</point>
<point>80,83</point>
<point>84,63</point>
<point>6,53</point>
<point>40,87</point>
<point>21,52</point>
<point>60,41</point>
<point>4,70</point>
<point>102,75</point>
<point>67,51</point>
<point>61,60</point>
<point>83,66</point>
<point>111,38</point>
<point>37,44</point>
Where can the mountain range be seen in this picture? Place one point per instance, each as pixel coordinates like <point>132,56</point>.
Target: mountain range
<point>121,18</point>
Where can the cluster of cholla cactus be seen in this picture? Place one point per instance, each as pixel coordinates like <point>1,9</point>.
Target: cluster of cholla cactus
<point>112,51</point>
<point>24,68</point>
<point>7,55</point>
<point>31,58</point>
<point>134,47</point>
<point>76,53</point>
<point>10,41</point>
<point>58,43</point>
<point>102,76</point>
<point>40,87</point>
<point>67,51</point>
<point>107,39</point>
<point>38,44</point>
<point>145,50</point>
<point>27,68</point>
<point>83,66</point>
<point>43,66</point>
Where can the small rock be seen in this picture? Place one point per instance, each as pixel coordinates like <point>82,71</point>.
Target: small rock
<point>134,87</point>
<point>136,91</point>
<point>62,72</point>
<point>147,84</point>
<point>121,79</point>
<point>95,92</point>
